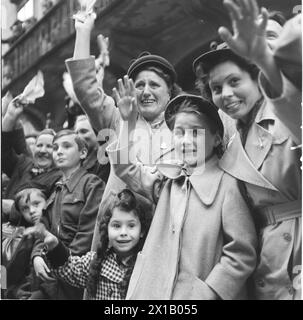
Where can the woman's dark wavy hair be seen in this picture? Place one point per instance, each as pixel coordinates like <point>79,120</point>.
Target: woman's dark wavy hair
<point>125,201</point>
<point>202,81</point>
<point>174,88</point>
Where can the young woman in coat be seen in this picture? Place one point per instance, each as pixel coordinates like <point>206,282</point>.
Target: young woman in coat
<point>263,152</point>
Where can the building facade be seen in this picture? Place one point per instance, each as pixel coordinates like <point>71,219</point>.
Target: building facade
<point>179,30</point>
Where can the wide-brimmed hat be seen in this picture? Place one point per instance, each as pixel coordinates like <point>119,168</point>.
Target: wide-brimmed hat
<point>146,59</point>
<point>205,107</point>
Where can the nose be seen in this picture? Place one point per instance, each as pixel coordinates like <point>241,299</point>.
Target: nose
<point>123,231</point>
<point>188,137</point>
<point>227,91</point>
<point>31,210</point>
<point>43,149</point>
<point>146,91</point>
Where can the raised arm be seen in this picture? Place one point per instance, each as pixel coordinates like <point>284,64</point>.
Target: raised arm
<point>122,153</point>
<point>248,39</point>
<point>12,139</point>
<point>99,107</point>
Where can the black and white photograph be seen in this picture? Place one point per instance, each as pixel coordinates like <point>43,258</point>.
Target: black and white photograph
<point>151,150</point>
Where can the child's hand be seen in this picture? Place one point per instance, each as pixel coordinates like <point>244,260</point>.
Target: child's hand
<point>126,99</point>
<point>41,269</point>
<point>40,232</point>
<point>248,39</point>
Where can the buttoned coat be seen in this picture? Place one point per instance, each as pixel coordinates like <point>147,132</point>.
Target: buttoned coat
<point>212,245</point>
<point>270,167</point>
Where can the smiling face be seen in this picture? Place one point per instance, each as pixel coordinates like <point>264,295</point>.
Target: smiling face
<point>43,151</point>
<point>193,140</point>
<point>67,155</point>
<point>153,95</point>
<point>86,132</point>
<point>124,231</point>
<point>233,90</point>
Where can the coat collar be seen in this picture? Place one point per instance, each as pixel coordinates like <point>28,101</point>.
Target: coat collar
<point>206,180</point>
<point>74,179</point>
<point>236,162</point>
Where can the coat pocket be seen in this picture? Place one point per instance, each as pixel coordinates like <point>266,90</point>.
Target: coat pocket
<point>190,287</point>
<point>72,205</point>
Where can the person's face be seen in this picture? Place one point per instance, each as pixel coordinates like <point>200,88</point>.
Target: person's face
<point>43,151</point>
<point>31,206</point>
<point>273,30</point>
<point>36,205</point>
<point>66,153</point>
<point>193,140</point>
<point>152,93</point>
<point>233,90</point>
<point>124,231</point>
<point>31,141</point>
<point>86,132</point>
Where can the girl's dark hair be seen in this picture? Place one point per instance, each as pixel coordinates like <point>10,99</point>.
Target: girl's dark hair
<point>174,89</point>
<point>202,82</point>
<point>188,106</point>
<point>125,201</point>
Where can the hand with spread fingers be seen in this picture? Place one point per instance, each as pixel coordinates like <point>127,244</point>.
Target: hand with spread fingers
<point>126,99</point>
<point>249,26</point>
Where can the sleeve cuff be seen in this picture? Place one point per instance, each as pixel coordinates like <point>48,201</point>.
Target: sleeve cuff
<point>288,89</point>
<point>58,256</point>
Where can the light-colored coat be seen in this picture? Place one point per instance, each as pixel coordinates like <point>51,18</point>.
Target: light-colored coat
<point>154,140</point>
<point>202,236</point>
<point>272,175</point>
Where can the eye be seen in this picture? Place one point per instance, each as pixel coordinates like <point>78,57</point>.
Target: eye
<point>234,81</point>
<point>178,132</point>
<point>154,85</point>
<point>116,225</point>
<point>139,85</point>
<point>216,89</point>
<point>132,225</point>
<point>55,147</point>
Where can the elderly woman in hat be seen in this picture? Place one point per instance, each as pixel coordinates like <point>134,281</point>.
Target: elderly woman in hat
<point>262,152</point>
<point>154,85</point>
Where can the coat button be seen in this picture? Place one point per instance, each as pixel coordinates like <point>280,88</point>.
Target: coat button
<point>260,283</point>
<point>110,292</point>
<point>287,237</point>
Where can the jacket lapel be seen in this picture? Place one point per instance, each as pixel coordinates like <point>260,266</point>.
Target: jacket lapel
<point>236,162</point>
<point>258,144</point>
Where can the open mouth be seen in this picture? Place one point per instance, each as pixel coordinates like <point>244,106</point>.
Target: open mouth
<point>147,101</point>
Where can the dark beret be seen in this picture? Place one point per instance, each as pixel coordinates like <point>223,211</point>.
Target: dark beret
<point>147,60</point>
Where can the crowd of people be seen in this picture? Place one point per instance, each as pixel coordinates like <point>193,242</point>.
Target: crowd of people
<point>190,197</point>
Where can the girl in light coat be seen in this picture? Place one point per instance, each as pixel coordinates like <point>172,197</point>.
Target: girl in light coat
<point>201,244</point>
